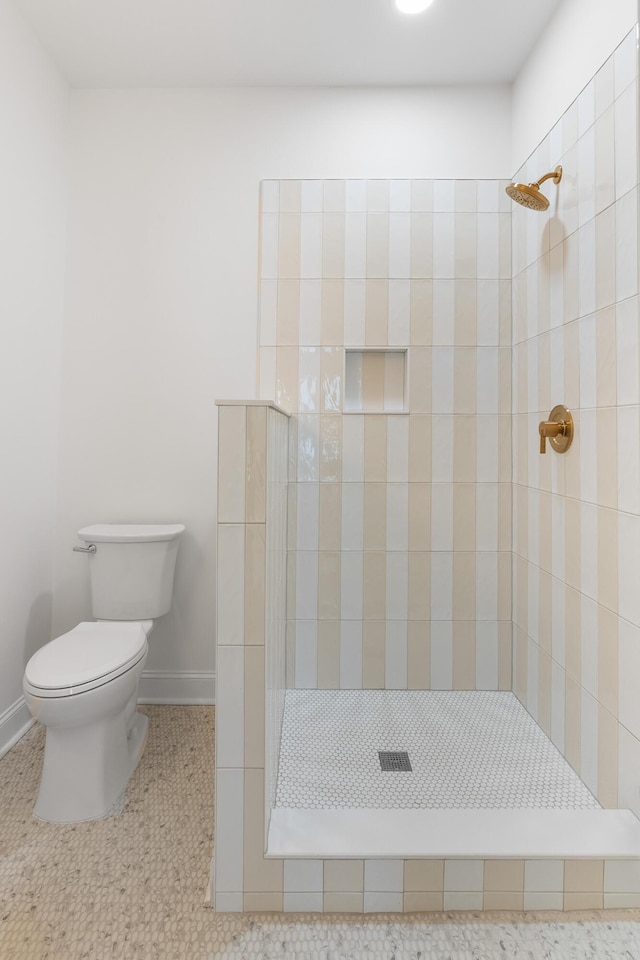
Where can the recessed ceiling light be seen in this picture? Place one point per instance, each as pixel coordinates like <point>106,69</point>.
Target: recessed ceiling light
<point>413,6</point>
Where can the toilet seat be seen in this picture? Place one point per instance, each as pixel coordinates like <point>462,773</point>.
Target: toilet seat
<point>86,657</point>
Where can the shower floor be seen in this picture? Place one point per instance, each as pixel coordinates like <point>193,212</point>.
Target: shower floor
<point>485,781</point>
<point>468,749</point>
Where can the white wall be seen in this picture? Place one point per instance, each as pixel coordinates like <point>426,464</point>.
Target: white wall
<point>162,296</point>
<point>577,41</point>
<point>33,201</point>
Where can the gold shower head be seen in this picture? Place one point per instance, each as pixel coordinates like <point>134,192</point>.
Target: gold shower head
<point>529,195</point>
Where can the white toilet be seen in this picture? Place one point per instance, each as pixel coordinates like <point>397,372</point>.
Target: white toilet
<point>83,686</point>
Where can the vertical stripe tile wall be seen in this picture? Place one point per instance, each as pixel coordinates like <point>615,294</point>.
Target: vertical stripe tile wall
<point>399,522</point>
<point>251,625</point>
<point>577,516</point>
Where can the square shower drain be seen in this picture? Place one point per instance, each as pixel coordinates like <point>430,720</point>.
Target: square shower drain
<point>394,760</point>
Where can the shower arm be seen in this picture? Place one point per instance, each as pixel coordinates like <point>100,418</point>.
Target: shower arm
<point>555,175</point>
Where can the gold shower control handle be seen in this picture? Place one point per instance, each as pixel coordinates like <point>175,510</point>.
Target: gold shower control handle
<point>558,429</point>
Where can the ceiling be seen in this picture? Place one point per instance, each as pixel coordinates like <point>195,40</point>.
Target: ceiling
<point>182,43</point>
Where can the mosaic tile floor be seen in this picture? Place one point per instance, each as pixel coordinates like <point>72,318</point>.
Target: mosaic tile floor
<point>133,887</point>
<point>467,749</point>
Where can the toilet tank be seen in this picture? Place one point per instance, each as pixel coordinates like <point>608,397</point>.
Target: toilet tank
<point>132,568</point>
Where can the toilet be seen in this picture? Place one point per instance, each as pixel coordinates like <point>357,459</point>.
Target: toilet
<point>83,686</point>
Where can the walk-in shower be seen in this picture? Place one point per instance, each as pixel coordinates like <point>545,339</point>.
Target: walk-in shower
<point>438,593</point>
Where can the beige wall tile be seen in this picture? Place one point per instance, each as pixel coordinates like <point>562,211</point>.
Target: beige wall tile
<point>606,387</point>
<point>343,902</point>
<point>465,313</point>
<point>330,448</point>
<point>287,378</point>
<point>375,516</point>
<point>374,586</point>
<point>331,373</point>
<point>422,244</point>
<point>420,305</point>
<point>373,642</point>
<point>376,313</point>
<point>572,542</point>
<point>329,569</point>
<point>420,516</point>
<point>464,449</point>
<point>373,368</point>
<point>544,611</point>
<point>573,723</point>
<point>607,456</point>
<point>419,448</point>
<point>464,590</point>
<point>544,530</point>
<point>571,397</point>
<point>420,380</point>
<point>505,656</point>
<point>504,586</point>
<point>583,876</point>
<point>424,875</point>
<point>544,692</point>
<point>464,380</point>
<point>254,583</point>
<point>464,516</point>
<point>341,876</point>
<point>231,464</point>
<point>333,248</point>
<point>607,759</point>
<point>256,482</point>
<point>288,313</point>
<point>608,660</point>
<point>495,900</point>
<point>289,246</point>
<point>328,655</point>
<point>262,903</point>
<point>583,901</point>
<point>375,448</point>
<point>573,634</point>
<point>464,655</point>
<point>504,875</point>
<point>608,558</point>
<point>290,196</point>
<point>377,245</point>
<point>332,313</point>
<point>260,875</point>
<point>520,686</point>
<point>254,715</point>
<point>423,902</point>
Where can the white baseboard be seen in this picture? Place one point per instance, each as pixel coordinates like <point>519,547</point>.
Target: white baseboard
<point>177,686</point>
<point>14,723</point>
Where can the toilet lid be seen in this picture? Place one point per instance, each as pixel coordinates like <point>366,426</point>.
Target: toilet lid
<point>86,653</point>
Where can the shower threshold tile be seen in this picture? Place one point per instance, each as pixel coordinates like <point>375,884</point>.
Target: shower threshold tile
<point>483,834</point>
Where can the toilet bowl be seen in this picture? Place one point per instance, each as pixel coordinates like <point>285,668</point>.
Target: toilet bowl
<point>83,685</point>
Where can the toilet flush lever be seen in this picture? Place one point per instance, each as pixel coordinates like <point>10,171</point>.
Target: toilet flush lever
<point>90,549</point>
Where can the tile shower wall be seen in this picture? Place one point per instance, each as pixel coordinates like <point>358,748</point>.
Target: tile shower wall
<point>577,516</point>
<point>399,523</point>
<point>251,601</point>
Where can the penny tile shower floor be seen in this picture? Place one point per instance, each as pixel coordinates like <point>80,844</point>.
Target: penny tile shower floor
<point>132,887</point>
<point>471,748</point>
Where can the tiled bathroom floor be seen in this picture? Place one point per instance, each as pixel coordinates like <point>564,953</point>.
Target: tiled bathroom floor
<point>468,749</point>
<point>133,887</point>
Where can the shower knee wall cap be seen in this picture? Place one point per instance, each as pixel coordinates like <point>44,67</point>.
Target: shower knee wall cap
<point>529,195</point>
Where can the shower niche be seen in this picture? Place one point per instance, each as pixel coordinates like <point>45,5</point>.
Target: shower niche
<point>375,381</point>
